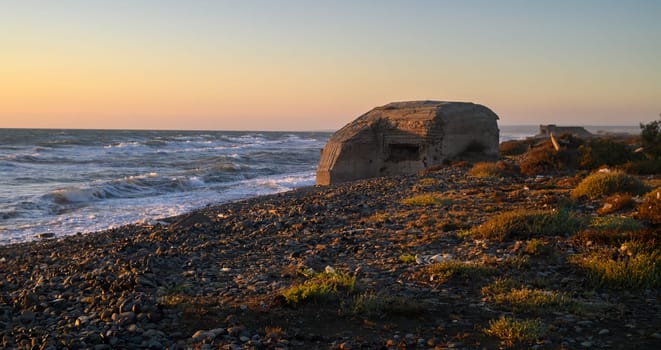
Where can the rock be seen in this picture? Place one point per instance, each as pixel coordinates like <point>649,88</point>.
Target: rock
<point>405,137</point>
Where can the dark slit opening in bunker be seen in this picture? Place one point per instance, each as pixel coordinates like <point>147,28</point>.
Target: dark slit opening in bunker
<point>398,152</point>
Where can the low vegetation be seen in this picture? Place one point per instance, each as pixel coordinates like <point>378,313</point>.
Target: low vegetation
<point>650,208</point>
<point>615,223</point>
<point>522,224</point>
<point>511,330</point>
<point>504,293</point>
<point>535,246</point>
<point>634,265</point>
<point>486,170</point>
<point>607,183</point>
<point>599,152</point>
<point>442,271</point>
<point>427,199</point>
<point>320,286</point>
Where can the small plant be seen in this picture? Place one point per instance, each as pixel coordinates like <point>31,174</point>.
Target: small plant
<point>407,258</point>
<point>486,170</point>
<point>442,271</point>
<point>427,199</point>
<point>503,292</point>
<point>607,183</point>
<point>535,246</point>
<point>529,223</point>
<point>320,286</point>
<point>512,330</point>
<point>634,265</point>
<point>650,208</point>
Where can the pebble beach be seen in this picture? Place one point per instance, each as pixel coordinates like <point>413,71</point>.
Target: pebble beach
<point>214,278</point>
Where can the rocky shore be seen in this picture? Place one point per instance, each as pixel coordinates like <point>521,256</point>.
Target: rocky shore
<point>215,278</point>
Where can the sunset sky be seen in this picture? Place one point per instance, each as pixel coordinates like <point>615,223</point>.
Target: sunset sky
<point>316,65</point>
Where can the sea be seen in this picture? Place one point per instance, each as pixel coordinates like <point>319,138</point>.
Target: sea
<point>64,182</point>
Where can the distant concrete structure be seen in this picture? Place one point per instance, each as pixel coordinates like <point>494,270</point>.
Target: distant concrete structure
<point>406,137</point>
<point>547,130</point>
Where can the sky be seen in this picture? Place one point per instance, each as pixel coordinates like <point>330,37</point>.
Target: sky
<point>317,65</point>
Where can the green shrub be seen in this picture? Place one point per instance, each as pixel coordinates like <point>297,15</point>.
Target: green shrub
<point>650,208</point>
<point>650,135</point>
<point>407,258</point>
<point>528,224</point>
<point>320,286</point>
<point>503,292</point>
<point>442,271</point>
<point>597,152</point>
<point>634,265</point>
<point>427,199</point>
<point>512,330</point>
<point>606,183</point>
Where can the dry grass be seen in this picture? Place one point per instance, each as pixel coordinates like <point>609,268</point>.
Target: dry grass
<point>535,246</point>
<point>486,170</point>
<point>607,183</point>
<point>616,202</point>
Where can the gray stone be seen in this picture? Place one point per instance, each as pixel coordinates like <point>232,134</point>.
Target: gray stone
<point>406,137</point>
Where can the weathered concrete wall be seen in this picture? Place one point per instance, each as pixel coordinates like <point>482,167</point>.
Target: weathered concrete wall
<point>406,137</point>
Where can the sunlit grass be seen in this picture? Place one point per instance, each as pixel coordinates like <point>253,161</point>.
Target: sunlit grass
<point>319,287</point>
<point>634,265</point>
<point>512,330</point>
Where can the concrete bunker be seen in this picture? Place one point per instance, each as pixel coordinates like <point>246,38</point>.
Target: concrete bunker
<point>406,137</point>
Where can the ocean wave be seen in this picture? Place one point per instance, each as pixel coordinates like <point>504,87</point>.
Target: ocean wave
<point>129,187</point>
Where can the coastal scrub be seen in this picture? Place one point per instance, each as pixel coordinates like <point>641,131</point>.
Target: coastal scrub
<point>320,286</point>
<point>524,223</point>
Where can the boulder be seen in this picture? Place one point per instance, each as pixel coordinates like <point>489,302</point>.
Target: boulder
<point>406,137</point>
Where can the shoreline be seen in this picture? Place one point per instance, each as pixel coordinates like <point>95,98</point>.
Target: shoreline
<point>215,277</point>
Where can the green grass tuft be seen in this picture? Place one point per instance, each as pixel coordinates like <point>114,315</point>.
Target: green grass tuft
<point>512,330</point>
<point>613,223</point>
<point>505,293</point>
<point>604,184</point>
<point>442,271</point>
<point>529,223</point>
<point>319,287</point>
<point>634,265</point>
<point>427,199</point>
